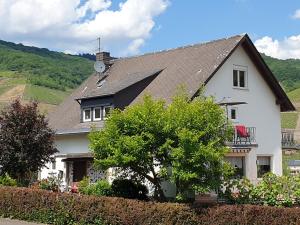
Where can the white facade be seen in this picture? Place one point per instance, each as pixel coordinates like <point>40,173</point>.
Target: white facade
<point>261,112</point>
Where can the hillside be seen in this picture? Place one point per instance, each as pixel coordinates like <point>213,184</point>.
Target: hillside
<point>39,74</point>
<point>286,71</point>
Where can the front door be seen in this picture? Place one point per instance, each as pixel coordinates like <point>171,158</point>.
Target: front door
<point>79,170</point>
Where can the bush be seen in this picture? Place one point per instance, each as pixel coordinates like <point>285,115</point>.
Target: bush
<point>6,180</point>
<point>63,208</point>
<point>100,188</point>
<point>129,189</point>
<point>272,190</point>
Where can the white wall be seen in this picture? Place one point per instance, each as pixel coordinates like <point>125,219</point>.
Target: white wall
<point>260,112</point>
<point>67,144</point>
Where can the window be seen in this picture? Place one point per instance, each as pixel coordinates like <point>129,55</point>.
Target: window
<point>263,165</point>
<point>238,163</point>
<point>97,113</point>
<point>87,115</point>
<point>240,76</point>
<point>53,164</point>
<point>106,111</point>
<point>233,113</point>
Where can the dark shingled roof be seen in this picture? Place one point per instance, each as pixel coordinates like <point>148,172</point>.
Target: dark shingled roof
<point>190,66</point>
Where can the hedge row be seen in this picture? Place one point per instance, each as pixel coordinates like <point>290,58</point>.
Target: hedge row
<point>63,208</point>
<point>60,208</point>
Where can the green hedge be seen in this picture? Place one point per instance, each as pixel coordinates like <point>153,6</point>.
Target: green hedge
<point>62,208</point>
<point>58,208</point>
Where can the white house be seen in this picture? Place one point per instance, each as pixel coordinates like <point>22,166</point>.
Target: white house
<point>231,69</point>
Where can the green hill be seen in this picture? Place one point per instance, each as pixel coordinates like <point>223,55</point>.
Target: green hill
<point>32,73</point>
<point>42,67</point>
<point>286,71</point>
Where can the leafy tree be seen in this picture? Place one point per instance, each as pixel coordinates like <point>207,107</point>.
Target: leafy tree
<point>183,141</point>
<point>26,141</point>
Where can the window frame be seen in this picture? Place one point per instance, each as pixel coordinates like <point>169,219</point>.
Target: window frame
<point>239,174</point>
<point>257,165</point>
<point>103,111</point>
<point>239,69</point>
<point>236,114</point>
<point>94,113</point>
<point>83,115</point>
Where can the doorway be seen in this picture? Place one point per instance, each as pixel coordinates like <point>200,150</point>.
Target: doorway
<point>79,170</point>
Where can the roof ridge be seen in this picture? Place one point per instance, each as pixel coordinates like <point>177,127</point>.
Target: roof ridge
<point>181,47</point>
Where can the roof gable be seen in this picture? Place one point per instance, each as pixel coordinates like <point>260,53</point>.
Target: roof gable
<point>191,66</point>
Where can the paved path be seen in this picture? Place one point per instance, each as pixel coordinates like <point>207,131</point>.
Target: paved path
<point>15,222</point>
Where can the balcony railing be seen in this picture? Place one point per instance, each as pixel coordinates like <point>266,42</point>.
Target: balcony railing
<point>288,139</point>
<point>244,136</point>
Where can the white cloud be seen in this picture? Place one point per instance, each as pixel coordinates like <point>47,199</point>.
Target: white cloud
<point>69,25</point>
<point>296,14</point>
<point>287,48</point>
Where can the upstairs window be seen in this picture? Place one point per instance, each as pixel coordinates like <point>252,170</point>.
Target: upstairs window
<point>240,77</point>
<point>87,115</point>
<point>106,110</point>
<point>233,114</point>
<point>97,113</point>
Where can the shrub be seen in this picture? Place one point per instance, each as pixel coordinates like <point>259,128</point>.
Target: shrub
<point>272,190</point>
<point>129,189</point>
<point>100,188</point>
<point>63,208</point>
<point>6,180</point>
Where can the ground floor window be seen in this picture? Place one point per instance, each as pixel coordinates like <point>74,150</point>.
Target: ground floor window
<point>263,165</point>
<point>238,163</point>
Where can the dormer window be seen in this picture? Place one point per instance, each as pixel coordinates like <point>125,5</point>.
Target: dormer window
<point>87,115</point>
<point>106,110</point>
<point>240,77</point>
<point>97,113</point>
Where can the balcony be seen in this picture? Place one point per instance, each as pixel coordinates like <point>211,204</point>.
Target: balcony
<point>288,139</point>
<point>243,136</point>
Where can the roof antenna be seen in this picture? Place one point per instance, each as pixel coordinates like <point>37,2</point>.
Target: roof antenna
<point>99,44</point>
<point>99,65</point>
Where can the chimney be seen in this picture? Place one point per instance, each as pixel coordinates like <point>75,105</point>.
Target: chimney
<point>104,57</point>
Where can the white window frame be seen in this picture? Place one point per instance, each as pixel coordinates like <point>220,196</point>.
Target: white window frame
<point>94,114</point>
<point>271,163</point>
<point>83,114</point>
<point>245,70</point>
<point>103,110</point>
<point>236,114</point>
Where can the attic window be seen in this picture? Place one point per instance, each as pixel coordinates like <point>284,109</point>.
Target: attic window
<point>87,115</point>
<point>97,113</point>
<point>240,76</point>
<point>106,110</point>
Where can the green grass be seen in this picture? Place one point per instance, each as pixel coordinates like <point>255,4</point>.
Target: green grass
<point>44,95</point>
<point>5,88</point>
<point>289,120</point>
<point>294,95</point>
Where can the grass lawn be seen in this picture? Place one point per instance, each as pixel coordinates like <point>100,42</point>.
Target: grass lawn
<point>289,120</point>
<point>44,95</point>
<point>294,95</point>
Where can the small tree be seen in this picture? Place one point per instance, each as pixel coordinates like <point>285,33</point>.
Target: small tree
<point>26,141</point>
<point>183,141</point>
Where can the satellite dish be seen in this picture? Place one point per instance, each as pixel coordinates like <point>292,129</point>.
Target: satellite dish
<point>99,66</point>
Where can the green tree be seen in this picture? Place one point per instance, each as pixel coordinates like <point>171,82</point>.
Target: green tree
<point>183,141</point>
<point>26,141</point>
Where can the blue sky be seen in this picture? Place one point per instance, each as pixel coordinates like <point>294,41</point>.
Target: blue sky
<point>130,27</point>
<point>199,21</point>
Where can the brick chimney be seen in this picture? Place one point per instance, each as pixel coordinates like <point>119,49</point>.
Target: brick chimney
<point>105,57</point>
